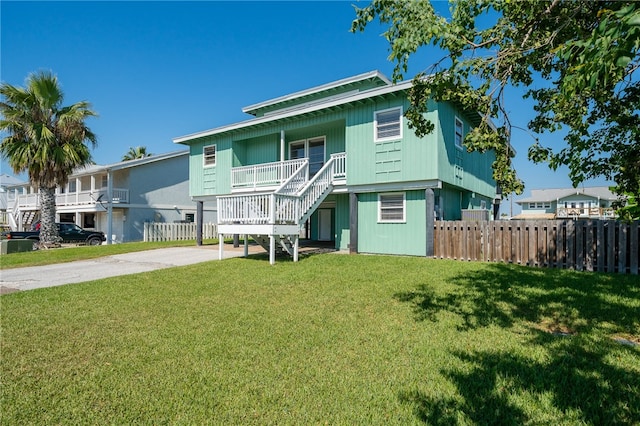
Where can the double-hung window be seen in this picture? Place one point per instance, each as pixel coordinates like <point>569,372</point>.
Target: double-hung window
<point>209,155</point>
<point>459,133</point>
<point>387,124</point>
<point>391,207</point>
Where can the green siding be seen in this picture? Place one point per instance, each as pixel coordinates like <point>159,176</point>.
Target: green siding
<point>407,238</point>
<point>342,221</point>
<point>407,159</point>
<point>473,171</point>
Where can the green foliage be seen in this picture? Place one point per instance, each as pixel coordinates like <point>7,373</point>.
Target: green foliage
<point>45,139</point>
<point>332,339</point>
<point>584,52</point>
<point>135,153</point>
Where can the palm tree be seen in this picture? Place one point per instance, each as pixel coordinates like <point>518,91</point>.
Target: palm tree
<point>45,139</point>
<point>135,153</point>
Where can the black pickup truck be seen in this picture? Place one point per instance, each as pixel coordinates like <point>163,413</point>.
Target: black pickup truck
<point>69,232</point>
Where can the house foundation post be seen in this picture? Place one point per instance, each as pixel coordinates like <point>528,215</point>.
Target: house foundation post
<point>199,220</point>
<point>353,223</point>
<point>272,249</point>
<point>246,245</point>
<point>431,217</point>
<point>296,246</point>
<point>220,246</point>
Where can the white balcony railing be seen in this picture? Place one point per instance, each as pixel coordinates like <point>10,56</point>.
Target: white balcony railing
<point>283,206</point>
<point>266,174</point>
<point>32,201</point>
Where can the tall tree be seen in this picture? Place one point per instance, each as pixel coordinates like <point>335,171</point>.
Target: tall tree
<point>135,153</point>
<point>45,139</point>
<point>583,56</point>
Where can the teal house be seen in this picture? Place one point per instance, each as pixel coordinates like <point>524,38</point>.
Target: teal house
<point>338,163</point>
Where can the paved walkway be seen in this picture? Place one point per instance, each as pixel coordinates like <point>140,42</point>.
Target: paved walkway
<point>32,277</point>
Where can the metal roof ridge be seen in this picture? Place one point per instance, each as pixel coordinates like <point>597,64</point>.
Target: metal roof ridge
<point>316,89</point>
<point>289,113</point>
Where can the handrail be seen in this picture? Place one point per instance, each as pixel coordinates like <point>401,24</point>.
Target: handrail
<point>257,175</point>
<point>290,203</point>
<point>296,180</point>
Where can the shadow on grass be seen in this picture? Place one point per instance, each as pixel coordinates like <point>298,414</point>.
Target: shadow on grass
<point>570,318</point>
<point>559,301</point>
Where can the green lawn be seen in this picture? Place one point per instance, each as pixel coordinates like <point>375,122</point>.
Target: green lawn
<point>332,339</point>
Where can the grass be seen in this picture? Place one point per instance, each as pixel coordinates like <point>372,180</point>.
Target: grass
<point>71,253</point>
<point>332,339</point>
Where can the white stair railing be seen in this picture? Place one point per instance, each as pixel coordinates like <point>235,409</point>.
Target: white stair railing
<point>285,205</point>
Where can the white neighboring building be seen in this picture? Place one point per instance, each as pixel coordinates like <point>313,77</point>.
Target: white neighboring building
<point>116,199</point>
<point>568,203</point>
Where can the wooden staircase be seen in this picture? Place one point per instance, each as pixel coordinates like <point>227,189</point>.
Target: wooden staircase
<point>274,219</point>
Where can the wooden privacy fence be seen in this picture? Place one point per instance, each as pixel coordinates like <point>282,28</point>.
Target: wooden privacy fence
<point>158,231</point>
<point>584,245</point>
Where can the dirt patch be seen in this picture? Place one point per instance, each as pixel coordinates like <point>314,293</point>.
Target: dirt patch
<point>7,290</point>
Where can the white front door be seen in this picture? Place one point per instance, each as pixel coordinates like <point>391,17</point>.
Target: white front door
<point>324,225</point>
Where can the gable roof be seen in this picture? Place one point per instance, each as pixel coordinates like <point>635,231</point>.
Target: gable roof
<point>548,195</point>
<point>8,180</point>
<point>335,89</point>
<point>307,107</point>
<point>95,168</point>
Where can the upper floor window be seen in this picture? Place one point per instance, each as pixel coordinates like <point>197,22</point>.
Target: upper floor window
<point>459,137</point>
<point>387,124</point>
<point>209,155</point>
<point>391,207</point>
<point>72,186</point>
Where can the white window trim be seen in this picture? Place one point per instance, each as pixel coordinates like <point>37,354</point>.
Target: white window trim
<point>204,157</point>
<point>375,125</point>
<point>306,142</point>
<point>455,131</point>
<point>404,207</point>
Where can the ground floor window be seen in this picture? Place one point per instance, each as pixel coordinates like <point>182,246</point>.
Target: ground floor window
<point>67,217</point>
<point>391,207</point>
<point>190,217</point>
<point>89,220</point>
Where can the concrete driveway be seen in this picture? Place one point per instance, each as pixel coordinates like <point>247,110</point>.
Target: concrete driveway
<point>29,278</point>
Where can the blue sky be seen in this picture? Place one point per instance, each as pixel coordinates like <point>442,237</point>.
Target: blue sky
<point>157,70</point>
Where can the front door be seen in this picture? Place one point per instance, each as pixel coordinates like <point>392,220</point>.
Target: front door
<point>324,225</point>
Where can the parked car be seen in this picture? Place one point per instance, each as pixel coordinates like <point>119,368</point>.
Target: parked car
<point>69,232</point>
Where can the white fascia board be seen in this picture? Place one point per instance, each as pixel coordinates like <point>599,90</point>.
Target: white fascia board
<point>316,107</point>
<point>95,169</point>
<point>316,89</point>
<point>396,186</point>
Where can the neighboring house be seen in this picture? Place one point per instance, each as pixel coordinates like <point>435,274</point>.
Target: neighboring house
<point>117,198</point>
<point>6,181</point>
<point>339,163</point>
<point>568,203</point>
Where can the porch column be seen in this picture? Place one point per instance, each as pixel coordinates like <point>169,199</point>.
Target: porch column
<point>431,217</point>
<point>199,219</point>
<point>109,206</point>
<point>282,146</point>
<point>272,249</point>
<point>353,223</point>
<point>296,245</point>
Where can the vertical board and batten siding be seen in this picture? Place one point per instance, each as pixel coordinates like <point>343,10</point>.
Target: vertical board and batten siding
<point>156,231</point>
<point>342,221</point>
<point>400,160</point>
<point>477,175</point>
<point>406,238</point>
<point>584,245</point>
<point>257,145</point>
